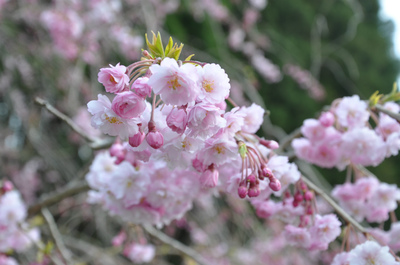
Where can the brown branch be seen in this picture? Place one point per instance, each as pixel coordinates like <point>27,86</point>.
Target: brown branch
<point>335,206</point>
<point>56,197</point>
<point>55,233</point>
<point>94,142</point>
<point>395,116</point>
<point>185,250</point>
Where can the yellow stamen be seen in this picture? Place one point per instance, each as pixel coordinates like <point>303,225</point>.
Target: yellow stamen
<point>113,120</point>
<point>208,85</point>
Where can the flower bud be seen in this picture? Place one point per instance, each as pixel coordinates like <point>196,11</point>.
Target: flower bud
<point>327,119</point>
<point>275,184</point>
<point>242,192</point>
<point>271,144</point>
<point>266,172</point>
<point>7,186</point>
<point>141,87</point>
<point>137,139</point>
<point>155,139</point>
<point>298,197</point>
<point>251,179</point>
<point>209,178</point>
<point>177,120</point>
<point>253,191</point>
<point>308,196</point>
<point>118,150</point>
<point>128,105</point>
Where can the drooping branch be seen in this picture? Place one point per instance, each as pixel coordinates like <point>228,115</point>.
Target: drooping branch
<point>65,253</point>
<point>94,142</point>
<point>395,116</point>
<point>56,197</point>
<point>185,250</point>
<point>335,206</point>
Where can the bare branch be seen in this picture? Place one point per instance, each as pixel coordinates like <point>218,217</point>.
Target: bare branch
<point>94,142</point>
<point>56,197</point>
<point>175,244</point>
<point>335,206</point>
<point>57,236</point>
<point>395,116</point>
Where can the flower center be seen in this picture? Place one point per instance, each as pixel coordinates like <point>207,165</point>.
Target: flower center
<point>174,83</point>
<point>208,85</point>
<point>113,120</point>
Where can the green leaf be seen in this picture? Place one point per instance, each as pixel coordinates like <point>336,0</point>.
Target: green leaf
<point>189,57</point>
<point>374,99</point>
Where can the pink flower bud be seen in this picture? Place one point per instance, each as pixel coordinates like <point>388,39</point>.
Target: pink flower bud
<point>327,119</point>
<point>253,191</point>
<point>251,179</point>
<point>119,239</point>
<point>114,78</point>
<point>141,87</point>
<point>267,172</point>
<point>198,165</point>
<point>275,184</point>
<point>309,210</point>
<point>298,197</point>
<point>155,139</point>
<point>7,186</point>
<point>308,196</point>
<point>242,192</point>
<point>177,120</point>
<point>118,150</point>
<point>137,139</point>
<point>209,178</point>
<point>128,105</point>
<point>271,144</point>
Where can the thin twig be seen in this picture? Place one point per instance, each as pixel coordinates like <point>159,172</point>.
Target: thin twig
<point>54,198</point>
<point>55,233</point>
<point>175,244</point>
<point>94,142</point>
<point>395,116</point>
<point>335,206</point>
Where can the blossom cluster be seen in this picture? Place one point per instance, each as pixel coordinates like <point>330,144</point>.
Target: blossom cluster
<point>343,136</point>
<point>142,193</point>
<point>187,131</point>
<point>369,252</point>
<point>368,198</point>
<point>15,231</point>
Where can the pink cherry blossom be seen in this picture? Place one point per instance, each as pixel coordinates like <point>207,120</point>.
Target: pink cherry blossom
<point>204,120</point>
<point>253,117</point>
<point>371,253</point>
<point>213,82</point>
<point>139,253</point>
<point>313,130</point>
<point>141,87</point>
<point>363,146</point>
<point>175,84</point>
<point>105,119</point>
<point>128,105</point>
<point>297,236</point>
<point>177,120</point>
<point>325,229</point>
<point>341,259</point>
<point>114,78</point>
<point>351,112</point>
<point>4,260</point>
<point>209,178</point>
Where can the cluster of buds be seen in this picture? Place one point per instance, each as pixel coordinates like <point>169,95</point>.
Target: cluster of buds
<point>255,162</point>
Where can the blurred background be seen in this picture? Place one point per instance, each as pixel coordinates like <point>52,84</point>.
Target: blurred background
<point>291,57</point>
